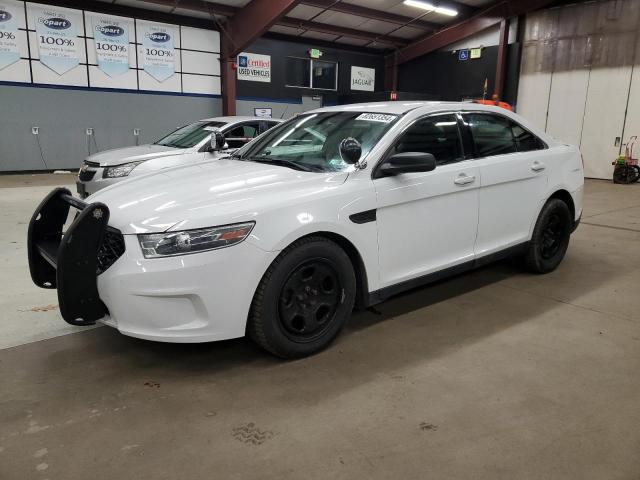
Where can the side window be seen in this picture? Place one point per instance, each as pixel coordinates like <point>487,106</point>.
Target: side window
<point>492,134</point>
<point>239,136</point>
<point>437,135</point>
<point>525,140</point>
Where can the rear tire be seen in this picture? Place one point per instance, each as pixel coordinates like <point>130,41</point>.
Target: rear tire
<point>304,299</point>
<point>550,239</point>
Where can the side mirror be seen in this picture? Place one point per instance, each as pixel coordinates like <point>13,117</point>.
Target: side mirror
<point>350,150</point>
<point>408,162</point>
<point>218,141</point>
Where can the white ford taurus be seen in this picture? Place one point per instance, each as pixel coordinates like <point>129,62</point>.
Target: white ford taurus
<point>339,207</point>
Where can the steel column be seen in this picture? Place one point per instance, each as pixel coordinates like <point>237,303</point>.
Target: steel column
<point>501,69</point>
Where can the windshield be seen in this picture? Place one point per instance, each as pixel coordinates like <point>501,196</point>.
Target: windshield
<point>189,136</point>
<point>311,142</point>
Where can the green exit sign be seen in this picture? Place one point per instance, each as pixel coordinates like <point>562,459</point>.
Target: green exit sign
<point>315,53</point>
<point>475,53</point>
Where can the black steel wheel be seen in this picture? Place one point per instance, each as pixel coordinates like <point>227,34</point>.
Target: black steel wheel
<point>550,238</point>
<point>309,299</point>
<point>304,299</point>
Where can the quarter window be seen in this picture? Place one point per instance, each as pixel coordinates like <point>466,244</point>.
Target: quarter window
<point>492,134</point>
<point>437,135</point>
<point>525,140</point>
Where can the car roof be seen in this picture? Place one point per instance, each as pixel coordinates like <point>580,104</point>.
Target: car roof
<point>238,118</point>
<point>400,108</point>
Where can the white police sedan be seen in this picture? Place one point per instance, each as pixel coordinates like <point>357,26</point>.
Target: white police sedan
<point>339,207</point>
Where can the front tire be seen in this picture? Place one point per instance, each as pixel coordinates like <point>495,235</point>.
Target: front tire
<point>550,238</point>
<point>304,299</point>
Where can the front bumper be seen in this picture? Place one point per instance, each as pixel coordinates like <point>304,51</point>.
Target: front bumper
<point>189,298</point>
<point>70,261</point>
<point>90,180</point>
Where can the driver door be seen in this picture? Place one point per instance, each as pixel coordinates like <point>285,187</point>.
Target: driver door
<point>428,221</point>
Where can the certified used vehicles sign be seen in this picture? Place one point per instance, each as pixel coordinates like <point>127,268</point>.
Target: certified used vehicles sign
<point>254,67</point>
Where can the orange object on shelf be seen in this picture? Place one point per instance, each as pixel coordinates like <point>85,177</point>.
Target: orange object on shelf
<point>495,103</point>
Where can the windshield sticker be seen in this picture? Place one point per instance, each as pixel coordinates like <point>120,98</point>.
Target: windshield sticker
<point>377,117</point>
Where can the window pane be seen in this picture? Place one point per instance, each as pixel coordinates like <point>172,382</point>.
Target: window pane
<point>189,136</point>
<point>435,135</point>
<point>324,75</point>
<point>298,72</point>
<point>526,141</point>
<point>491,134</point>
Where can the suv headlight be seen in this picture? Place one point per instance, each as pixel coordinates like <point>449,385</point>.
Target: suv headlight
<point>169,244</point>
<point>120,170</point>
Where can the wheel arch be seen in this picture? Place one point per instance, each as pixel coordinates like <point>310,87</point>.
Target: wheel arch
<point>566,197</point>
<point>362,282</point>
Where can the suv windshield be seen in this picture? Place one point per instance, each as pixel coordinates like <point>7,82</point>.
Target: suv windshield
<point>311,142</point>
<point>189,136</point>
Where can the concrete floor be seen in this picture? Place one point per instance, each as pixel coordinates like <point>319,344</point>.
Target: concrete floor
<point>496,374</point>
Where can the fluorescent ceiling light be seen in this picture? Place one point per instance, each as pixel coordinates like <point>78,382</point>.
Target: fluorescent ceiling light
<point>428,6</point>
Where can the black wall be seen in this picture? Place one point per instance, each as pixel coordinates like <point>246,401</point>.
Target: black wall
<point>281,49</point>
<point>441,74</point>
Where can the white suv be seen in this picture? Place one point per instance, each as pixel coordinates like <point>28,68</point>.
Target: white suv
<point>340,207</point>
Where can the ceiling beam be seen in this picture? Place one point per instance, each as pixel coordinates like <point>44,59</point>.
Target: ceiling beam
<point>342,32</point>
<point>251,22</point>
<point>371,13</point>
<point>483,20</point>
<point>230,11</point>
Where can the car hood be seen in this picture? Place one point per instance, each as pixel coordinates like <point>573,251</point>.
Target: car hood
<point>119,156</point>
<point>207,194</point>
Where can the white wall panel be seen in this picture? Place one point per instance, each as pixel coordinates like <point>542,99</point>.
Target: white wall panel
<point>199,39</point>
<point>567,104</point>
<point>91,53</point>
<point>89,16</point>
<point>33,7</point>
<point>202,58</point>
<point>147,82</point>
<point>16,72</point>
<point>176,59</point>
<point>99,79</point>
<point>35,54</point>
<point>533,97</point>
<point>18,12</point>
<point>201,84</point>
<point>75,77</point>
<point>174,31</point>
<point>604,119</point>
<point>199,62</point>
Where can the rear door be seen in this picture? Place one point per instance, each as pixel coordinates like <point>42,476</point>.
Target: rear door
<point>428,221</point>
<point>513,179</point>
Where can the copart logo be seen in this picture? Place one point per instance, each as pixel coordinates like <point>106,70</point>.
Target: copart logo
<point>110,30</point>
<point>56,23</point>
<point>4,16</point>
<point>159,37</point>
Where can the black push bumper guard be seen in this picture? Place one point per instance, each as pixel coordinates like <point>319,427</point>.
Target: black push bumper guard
<point>68,261</point>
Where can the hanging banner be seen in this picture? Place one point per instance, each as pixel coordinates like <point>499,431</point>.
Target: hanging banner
<point>9,52</point>
<point>158,52</point>
<point>57,36</point>
<point>111,37</point>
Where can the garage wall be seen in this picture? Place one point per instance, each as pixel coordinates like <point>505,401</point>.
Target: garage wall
<point>580,78</point>
<point>63,115</point>
<point>64,106</point>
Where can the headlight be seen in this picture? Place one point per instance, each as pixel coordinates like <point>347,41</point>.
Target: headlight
<point>120,170</point>
<point>192,241</point>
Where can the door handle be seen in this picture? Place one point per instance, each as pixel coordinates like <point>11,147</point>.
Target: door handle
<point>538,167</point>
<point>464,179</point>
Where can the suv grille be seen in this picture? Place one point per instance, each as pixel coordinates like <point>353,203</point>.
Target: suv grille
<point>110,250</point>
